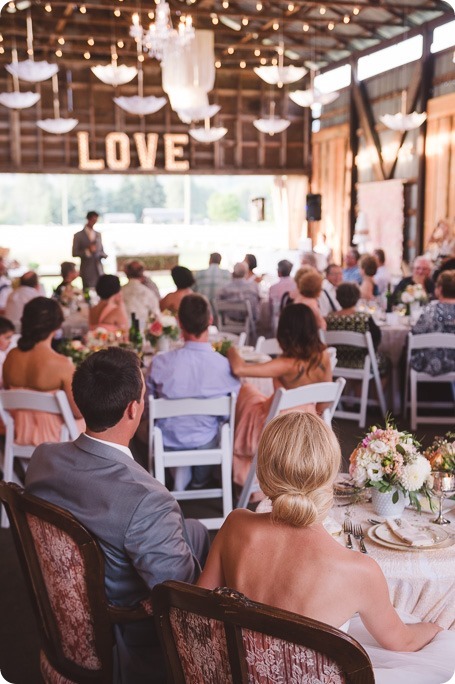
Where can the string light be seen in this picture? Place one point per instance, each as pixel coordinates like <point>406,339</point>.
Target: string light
<point>305,27</point>
<point>257,53</point>
<point>331,26</point>
<point>87,55</point>
<point>2,50</point>
<point>245,21</point>
<point>230,50</point>
<point>274,61</point>
<point>215,19</point>
<point>90,42</point>
<point>242,64</point>
<point>140,58</point>
<point>1,38</point>
<point>151,15</point>
<point>275,26</point>
<point>30,52</point>
<point>291,7</point>
<point>61,40</point>
<point>58,53</point>
<point>259,6</point>
<point>120,44</point>
<point>322,10</point>
<point>48,7</point>
<point>346,19</point>
<point>83,10</point>
<point>225,4</point>
<point>217,64</point>
<point>356,11</point>
<point>263,61</point>
<point>117,13</point>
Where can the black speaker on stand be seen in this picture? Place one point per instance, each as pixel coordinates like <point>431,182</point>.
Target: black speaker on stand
<point>313,207</point>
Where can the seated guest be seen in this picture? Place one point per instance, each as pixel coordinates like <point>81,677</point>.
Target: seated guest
<point>382,277</point>
<point>309,259</point>
<point>437,317</point>
<point>251,263</point>
<point>138,298</point>
<point>212,279</point>
<point>421,272</point>
<point>28,289</point>
<point>351,272</point>
<point>34,365</point>
<point>348,319</point>
<point>110,312</point>
<point>137,522</point>
<point>328,298</point>
<point>285,558</point>
<point>184,281</point>
<point>283,286</point>
<point>195,371</point>
<point>239,289</point>
<point>304,361</point>
<point>6,343</point>
<point>309,287</point>
<point>5,285</point>
<point>368,268</point>
<point>65,292</point>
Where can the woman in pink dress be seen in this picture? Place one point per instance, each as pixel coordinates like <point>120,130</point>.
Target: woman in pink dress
<point>304,361</point>
<point>110,312</point>
<point>34,365</point>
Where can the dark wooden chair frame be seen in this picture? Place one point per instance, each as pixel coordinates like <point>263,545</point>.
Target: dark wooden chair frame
<point>236,612</point>
<point>104,615</point>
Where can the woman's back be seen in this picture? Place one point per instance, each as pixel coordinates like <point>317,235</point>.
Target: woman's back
<point>39,369</point>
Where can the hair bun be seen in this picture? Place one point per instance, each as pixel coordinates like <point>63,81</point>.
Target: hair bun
<point>294,508</point>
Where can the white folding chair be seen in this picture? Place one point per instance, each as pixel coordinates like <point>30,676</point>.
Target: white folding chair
<point>221,455</point>
<point>284,400</point>
<point>30,400</point>
<point>268,346</point>
<point>413,377</point>
<point>337,338</point>
<point>235,317</point>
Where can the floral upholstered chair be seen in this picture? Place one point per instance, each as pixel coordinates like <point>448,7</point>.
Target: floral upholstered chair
<point>64,570</point>
<point>220,637</point>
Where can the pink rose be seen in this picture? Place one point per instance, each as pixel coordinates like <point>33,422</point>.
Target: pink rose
<point>156,329</point>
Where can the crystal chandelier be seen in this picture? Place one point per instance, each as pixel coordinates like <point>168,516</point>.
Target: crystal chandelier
<point>161,35</point>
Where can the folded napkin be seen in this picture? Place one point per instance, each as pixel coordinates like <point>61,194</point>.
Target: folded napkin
<point>414,536</point>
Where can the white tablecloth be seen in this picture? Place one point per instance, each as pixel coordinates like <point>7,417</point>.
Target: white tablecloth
<point>420,582</point>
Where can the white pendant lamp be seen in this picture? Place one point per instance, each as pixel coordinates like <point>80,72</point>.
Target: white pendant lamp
<point>403,121</point>
<point>271,124</point>
<point>57,125</point>
<point>205,134</point>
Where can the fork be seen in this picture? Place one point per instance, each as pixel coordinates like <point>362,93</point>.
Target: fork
<point>347,529</point>
<point>358,534</point>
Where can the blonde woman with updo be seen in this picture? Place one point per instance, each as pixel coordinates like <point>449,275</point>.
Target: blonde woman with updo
<point>285,558</point>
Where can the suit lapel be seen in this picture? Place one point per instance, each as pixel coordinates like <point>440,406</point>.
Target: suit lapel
<point>103,450</point>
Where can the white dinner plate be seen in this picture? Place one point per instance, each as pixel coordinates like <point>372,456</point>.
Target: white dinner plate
<point>396,545</point>
<point>253,357</point>
<point>385,533</point>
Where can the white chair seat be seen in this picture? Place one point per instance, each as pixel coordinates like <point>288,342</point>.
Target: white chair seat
<point>235,317</point>
<point>184,459</point>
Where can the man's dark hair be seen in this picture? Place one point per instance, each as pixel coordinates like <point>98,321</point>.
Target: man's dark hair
<point>29,279</point>
<point>348,294</point>
<point>104,384</point>
<point>66,268</point>
<point>107,285</point>
<point>194,314</point>
<point>284,268</point>
<point>380,254</point>
<point>215,258</point>
<point>92,214</point>
<point>6,325</point>
<point>446,281</point>
<point>182,277</point>
<point>355,253</point>
<point>329,268</point>
<point>134,269</point>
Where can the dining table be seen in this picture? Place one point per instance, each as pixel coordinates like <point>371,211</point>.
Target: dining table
<point>421,581</point>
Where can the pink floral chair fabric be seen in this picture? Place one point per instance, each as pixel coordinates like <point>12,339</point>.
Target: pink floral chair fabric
<point>220,637</point>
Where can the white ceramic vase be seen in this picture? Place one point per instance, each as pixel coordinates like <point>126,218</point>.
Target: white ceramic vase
<point>383,504</point>
<point>163,344</point>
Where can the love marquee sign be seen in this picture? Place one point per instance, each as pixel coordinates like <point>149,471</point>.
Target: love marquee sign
<point>118,151</point>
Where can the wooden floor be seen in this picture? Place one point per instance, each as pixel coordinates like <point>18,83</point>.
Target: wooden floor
<point>18,632</point>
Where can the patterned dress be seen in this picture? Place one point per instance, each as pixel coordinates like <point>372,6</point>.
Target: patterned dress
<point>353,357</point>
<point>436,317</point>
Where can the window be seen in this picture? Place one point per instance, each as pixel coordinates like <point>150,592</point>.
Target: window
<point>333,79</point>
<point>443,37</point>
<point>389,58</point>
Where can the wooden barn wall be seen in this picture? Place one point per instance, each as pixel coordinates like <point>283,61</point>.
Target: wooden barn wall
<point>242,96</point>
<point>331,172</point>
<point>440,162</point>
<point>384,95</point>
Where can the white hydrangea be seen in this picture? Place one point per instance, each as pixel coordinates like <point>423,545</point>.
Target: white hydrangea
<point>359,475</point>
<point>168,321</point>
<point>378,446</point>
<point>407,298</point>
<point>375,472</point>
<point>415,474</point>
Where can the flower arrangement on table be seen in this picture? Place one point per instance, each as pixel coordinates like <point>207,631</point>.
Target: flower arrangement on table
<point>390,461</point>
<point>222,346</point>
<point>414,293</point>
<point>100,338</point>
<point>160,327</point>
<point>441,454</point>
<point>75,349</point>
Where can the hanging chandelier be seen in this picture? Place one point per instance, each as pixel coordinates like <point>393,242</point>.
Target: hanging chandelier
<point>113,74</point>
<point>401,121</point>
<point>190,114</point>
<point>29,70</point>
<point>206,134</point>
<point>137,104</point>
<point>58,125</point>
<point>16,99</point>
<point>161,36</point>
<point>271,124</point>
<point>279,74</point>
<point>311,96</point>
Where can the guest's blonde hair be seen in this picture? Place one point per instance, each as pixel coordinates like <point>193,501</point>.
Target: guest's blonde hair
<point>310,283</point>
<point>298,460</point>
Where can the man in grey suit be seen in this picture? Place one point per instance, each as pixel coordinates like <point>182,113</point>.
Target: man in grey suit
<point>88,246</point>
<point>137,522</point>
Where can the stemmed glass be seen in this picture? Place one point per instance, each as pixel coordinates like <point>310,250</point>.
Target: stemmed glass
<point>443,485</point>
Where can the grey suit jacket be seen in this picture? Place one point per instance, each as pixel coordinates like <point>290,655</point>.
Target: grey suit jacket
<point>91,266</point>
<point>136,520</point>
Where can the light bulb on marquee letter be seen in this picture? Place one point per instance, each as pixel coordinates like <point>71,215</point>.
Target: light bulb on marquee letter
<point>173,150</point>
<point>118,156</point>
<point>146,149</point>
<point>85,163</point>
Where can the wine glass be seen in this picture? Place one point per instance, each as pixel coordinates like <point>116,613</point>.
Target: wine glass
<point>443,484</point>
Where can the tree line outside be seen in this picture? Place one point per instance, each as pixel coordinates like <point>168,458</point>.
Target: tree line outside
<point>45,199</point>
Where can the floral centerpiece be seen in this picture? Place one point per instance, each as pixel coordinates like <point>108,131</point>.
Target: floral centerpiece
<point>75,349</point>
<point>163,326</point>
<point>100,338</point>
<point>222,346</point>
<point>414,294</point>
<point>390,462</point>
<point>441,454</point>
